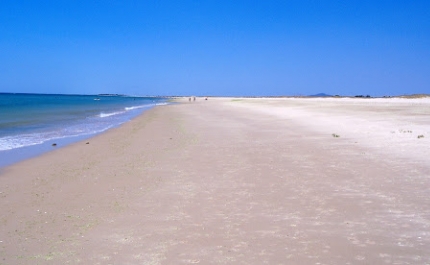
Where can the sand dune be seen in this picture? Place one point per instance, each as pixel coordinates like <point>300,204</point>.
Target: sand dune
<point>231,181</point>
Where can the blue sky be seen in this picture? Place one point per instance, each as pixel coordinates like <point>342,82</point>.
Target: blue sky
<point>228,48</point>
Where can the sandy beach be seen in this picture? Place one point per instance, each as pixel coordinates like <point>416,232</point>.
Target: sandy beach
<point>231,181</point>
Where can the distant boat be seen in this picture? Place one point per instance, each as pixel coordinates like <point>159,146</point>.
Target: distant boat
<point>96,99</point>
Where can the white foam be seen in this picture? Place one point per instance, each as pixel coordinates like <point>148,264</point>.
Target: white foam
<point>138,107</point>
<point>12,142</point>
<point>104,115</point>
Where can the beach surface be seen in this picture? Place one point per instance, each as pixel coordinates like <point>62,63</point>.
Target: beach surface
<point>231,181</point>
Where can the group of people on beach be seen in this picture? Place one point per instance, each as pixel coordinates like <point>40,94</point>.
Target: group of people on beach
<point>194,98</point>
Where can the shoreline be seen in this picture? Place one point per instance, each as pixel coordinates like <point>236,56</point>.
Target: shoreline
<point>230,180</point>
<point>17,155</point>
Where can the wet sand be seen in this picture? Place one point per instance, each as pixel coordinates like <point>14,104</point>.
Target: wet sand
<point>231,181</point>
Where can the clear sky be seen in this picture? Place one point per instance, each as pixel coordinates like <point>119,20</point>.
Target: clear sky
<point>215,47</point>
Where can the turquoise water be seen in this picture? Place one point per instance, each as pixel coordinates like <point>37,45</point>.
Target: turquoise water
<point>31,122</point>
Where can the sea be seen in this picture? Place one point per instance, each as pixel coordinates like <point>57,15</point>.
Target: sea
<point>31,124</point>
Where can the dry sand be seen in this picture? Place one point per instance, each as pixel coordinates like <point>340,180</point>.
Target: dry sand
<point>231,181</point>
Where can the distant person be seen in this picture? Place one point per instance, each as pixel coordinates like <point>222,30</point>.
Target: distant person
<point>194,98</point>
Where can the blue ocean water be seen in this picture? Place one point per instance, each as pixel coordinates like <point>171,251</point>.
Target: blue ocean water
<point>29,123</point>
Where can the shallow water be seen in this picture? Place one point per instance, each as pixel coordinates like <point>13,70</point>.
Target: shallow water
<point>29,122</point>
